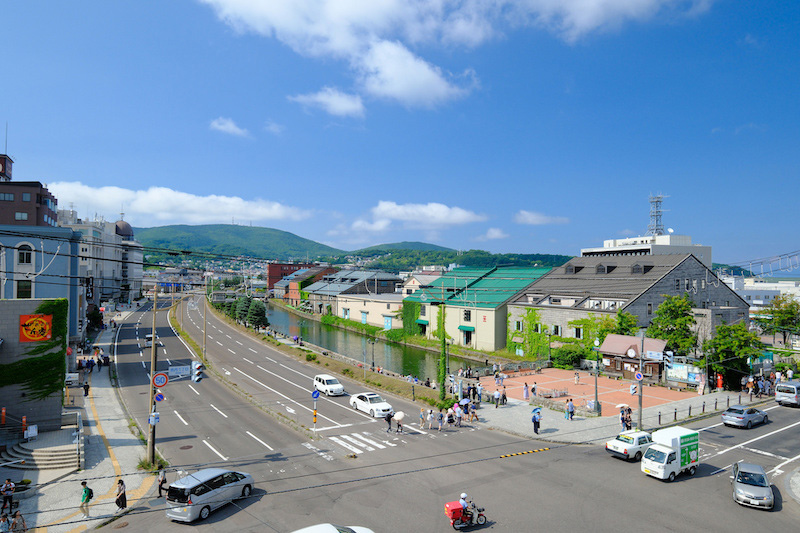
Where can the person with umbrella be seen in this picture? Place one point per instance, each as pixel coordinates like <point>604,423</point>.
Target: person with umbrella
<point>536,419</point>
<point>623,415</point>
<point>399,418</point>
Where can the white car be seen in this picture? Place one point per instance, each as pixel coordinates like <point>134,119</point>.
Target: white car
<point>371,403</point>
<point>328,385</point>
<point>332,528</point>
<point>630,444</point>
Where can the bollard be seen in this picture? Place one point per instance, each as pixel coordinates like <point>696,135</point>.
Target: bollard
<point>715,404</point>
<point>413,398</point>
<point>676,414</point>
<point>3,416</point>
<point>690,411</point>
<point>704,407</point>
<point>729,401</point>
<point>740,399</point>
<point>24,423</point>
<point>659,418</point>
<point>751,397</point>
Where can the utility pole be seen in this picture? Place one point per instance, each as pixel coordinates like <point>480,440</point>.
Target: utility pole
<point>151,438</point>
<point>205,307</point>
<point>641,383</point>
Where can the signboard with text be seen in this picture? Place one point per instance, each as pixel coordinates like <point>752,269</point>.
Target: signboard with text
<point>35,328</point>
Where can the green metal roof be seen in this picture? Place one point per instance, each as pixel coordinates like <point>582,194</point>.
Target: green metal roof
<point>478,287</point>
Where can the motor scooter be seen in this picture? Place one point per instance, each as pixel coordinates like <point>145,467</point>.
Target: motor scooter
<point>461,519</point>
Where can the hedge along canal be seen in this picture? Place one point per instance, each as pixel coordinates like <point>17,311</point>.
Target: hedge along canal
<point>398,358</point>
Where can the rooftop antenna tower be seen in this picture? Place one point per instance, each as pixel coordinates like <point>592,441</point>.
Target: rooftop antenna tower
<point>656,227</point>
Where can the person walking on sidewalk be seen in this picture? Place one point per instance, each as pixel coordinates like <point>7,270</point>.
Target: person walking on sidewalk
<point>479,391</point>
<point>122,499</point>
<point>86,497</point>
<point>8,495</point>
<point>577,378</point>
<point>18,524</point>
<point>533,389</point>
<point>161,480</point>
<point>570,408</point>
<point>504,398</point>
<point>525,394</point>
<point>440,418</point>
<point>421,418</point>
<point>5,525</point>
<point>496,398</point>
<point>536,419</point>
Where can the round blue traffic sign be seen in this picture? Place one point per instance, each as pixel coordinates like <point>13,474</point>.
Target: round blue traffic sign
<point>159,397</point>
<point>639,376</point>
<point>315,394</point>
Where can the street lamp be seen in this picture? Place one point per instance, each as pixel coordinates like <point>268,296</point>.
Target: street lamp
<point>372,342</point>
<point>597,408</point>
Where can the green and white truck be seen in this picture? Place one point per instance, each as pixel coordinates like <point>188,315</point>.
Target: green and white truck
<point>675,450</point>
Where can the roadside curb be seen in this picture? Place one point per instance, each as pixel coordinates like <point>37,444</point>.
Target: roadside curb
<point>787,484</point>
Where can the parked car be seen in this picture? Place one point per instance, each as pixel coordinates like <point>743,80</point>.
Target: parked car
<point>371,403</point>
<point>328,385</point>
<point>743,416</point>
<point>196,495</point>
<point>788,393</point>
<point>630,444</point>
<point>332,528</point>
<point>751,486</point>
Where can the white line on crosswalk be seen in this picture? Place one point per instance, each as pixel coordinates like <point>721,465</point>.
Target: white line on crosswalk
<point>369,441</point>
<point>352,440</point>
<point>340,442</point>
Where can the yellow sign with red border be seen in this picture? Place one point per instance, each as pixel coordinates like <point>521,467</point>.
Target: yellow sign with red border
<point>35,328</point>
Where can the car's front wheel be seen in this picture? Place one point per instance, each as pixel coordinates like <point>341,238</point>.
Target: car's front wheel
<point>246,490</point>
<point>204,512</point>
<point>749,424</point>
<point>372,412</point>
<point>671,476</point>
<point>766,419</point>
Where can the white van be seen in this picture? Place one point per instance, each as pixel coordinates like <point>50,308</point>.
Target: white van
<point>788,393</point>
<point>328,385</point>
<point>196,495</point>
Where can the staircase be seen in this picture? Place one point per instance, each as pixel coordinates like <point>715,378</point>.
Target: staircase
<point>53,450</point>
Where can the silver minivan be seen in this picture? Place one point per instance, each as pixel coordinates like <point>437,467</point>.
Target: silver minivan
<point>787,393</point>
<point>196,495</point>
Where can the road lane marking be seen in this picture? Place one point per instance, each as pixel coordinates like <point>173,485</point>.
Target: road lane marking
<point>234,353</point>
<point>710,427</point>
<point>410,428</point>
<point>778,468</point>
<point>306,389</point>
<point>284,396</point>
<point>248,360</point>
<point>742,445</point>
<point>319,452</point>
<point>185,423</point>
<point>140,353</point>
<point>239,343</point>
<point>259,440</point>
<point>333,427</point>
<point>195,390</point>
<point>768,454</point>
<point>210,337</point>
<point>231,338</point>
<point>143,365</point>
<point>270,359</point>
<point>169,362</point>
<point>724,468</point>
<point>343,444</point>
<point>215,451</point>
<point>219,343</point>
<point>252,350</point>
<point>357,442</point>
<point>217,410</point>
<point>369,441</point>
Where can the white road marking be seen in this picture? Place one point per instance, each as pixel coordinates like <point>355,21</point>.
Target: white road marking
<point>410,428</point>
<point>252,350</point>
<point>217,410</point>
<point>290,409</point>
<point>229,336</point>
<point>248,360</point>
<point>742,445</point>
<point>270,359</point>
<point>357,442</point>
<point>334,427</point>
<point>140,353</point>
<point>319,452</point>
<point>768,454</point>
<point>195,390</point>
<point>724,468</point>
<point>778,470</point>
<point>340,442</point>
<point>185,423</point>
<point>710,427</point>
<point>169,362</point>
<point>306,389</point>
<point>219,343</point>
<point>143,365</point>
<point>234,353</point>
<point>210,337</point>
<point>369,441</point>
<point>239,343</point>
<point>259,440</point>
<point>215,451</point>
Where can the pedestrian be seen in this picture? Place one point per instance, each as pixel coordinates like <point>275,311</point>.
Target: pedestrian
<point>18,524</point>
<point>421,418</point>
<point>533,389</point>
<point>7,489</point>
<point>430,418</point>
<point>536,419</point>
<point>566,410</point>
<point>789,374</point>
<point>504,398</point>
<point>494,368</point>
<point>525,394</point>
<point>122,499</point>
<point>497,378</point>
<point>571,408</point>
<point>388,419</point>
<point>622,418</point>
<point>5,525</point>
<point>577,378</point>
<point>473,413</point>
<point>496,398</point>
<point>161,480</point>
<point>628,419</point>
<point>399,419</point>
<point>86,497</point>
<point>459,415</point>
<point>450,419</point>
<point>479,392</point>
<point>744,383</point>
<point>86,389</point>
<point>465,410</point>
<point>502,377</point>
<point>440,418</point>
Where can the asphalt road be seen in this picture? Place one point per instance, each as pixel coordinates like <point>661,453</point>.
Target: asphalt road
<point>403,481</point>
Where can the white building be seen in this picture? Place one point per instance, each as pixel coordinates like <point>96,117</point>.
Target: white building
<point>652,245</point>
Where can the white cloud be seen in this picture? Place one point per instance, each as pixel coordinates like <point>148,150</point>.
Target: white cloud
<point>379,225</point>
<point>161,205</point>
<point>332,101</point>
<point>425,214</point>
<point>226,125</point>
<point>274,128</point>
<point>364,34</point>
<point>492,234</point>
<point>538,219</point>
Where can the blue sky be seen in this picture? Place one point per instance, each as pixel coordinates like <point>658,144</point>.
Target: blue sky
<point>533,126</point>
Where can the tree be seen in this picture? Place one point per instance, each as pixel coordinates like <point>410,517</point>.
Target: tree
<point>673,323</point>
<point>593,327</point>
<point>727,352</point>
<point>781,316</point>
<point>627,323</point>
<point>242,306</point>
<point>257,314</point>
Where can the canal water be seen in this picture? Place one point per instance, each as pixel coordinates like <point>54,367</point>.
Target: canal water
<point>398,358</point>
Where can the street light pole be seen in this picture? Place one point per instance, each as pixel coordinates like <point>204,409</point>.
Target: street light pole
<point>596,372</point>
<point>641,383</point>
<point>372,341</point>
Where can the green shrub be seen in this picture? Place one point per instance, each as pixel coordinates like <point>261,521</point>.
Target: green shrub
<point>311,356</point>
<point>568,356</point>
<point>347,371</point>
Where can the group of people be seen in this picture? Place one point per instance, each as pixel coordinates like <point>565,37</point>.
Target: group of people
<point>87,495</point>
<point>500,398</point>
<point>625,418</point>
<point>17,522</point>
<point>765,385</point>
<point>528,392</point>
<point>468,373</point>
<point>569,410</point>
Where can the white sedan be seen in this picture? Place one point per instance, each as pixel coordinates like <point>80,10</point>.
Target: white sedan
<point>371,403</point>
<point>630,444</point>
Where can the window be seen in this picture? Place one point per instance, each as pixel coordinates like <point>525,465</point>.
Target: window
<point>20,216</point>
<point>650,309</point>
<point>637,269</point>
<point>537,328</point>
<point>713,304</point>
<point>557,331</point>
<point>600,269</point>
<point>518,325</point>
<point>7,196</point>
<point>727,303</point>
<point>422,311</point>
<point>677,284</point>
<point>25,255</point>
<point>467,315</point>
<point>578,333</point>
<point>686,284</point>
<point>26,197</point>
<point>24,288</point>
<point>387,305</point>
<point>702,284</point>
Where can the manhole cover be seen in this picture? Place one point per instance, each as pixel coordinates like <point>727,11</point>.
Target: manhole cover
<point>187,447</point>
<point>121,525</point>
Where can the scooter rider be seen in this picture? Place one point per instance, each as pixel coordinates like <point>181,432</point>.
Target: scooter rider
<point>467,515</point>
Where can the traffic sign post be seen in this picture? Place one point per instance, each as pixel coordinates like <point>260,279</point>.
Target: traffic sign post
<point>315,395</point>
<point>639,376</point>
<point>159,396</point>
<point>160,379</point>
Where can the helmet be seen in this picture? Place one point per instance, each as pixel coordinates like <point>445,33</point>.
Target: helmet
<point>464,495</point>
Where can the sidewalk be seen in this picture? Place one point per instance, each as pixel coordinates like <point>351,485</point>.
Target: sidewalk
<point>112,452</point>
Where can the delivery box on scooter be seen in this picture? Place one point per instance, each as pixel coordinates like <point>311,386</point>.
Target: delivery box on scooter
<point>453,510</point>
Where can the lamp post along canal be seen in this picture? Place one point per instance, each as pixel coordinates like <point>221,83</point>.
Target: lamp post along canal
<point>597,407</point>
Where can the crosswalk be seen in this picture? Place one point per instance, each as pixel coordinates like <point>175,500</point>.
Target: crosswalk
<point>359,442</point>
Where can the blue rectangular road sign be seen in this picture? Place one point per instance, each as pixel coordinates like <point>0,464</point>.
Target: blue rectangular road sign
<point>177,371</point>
